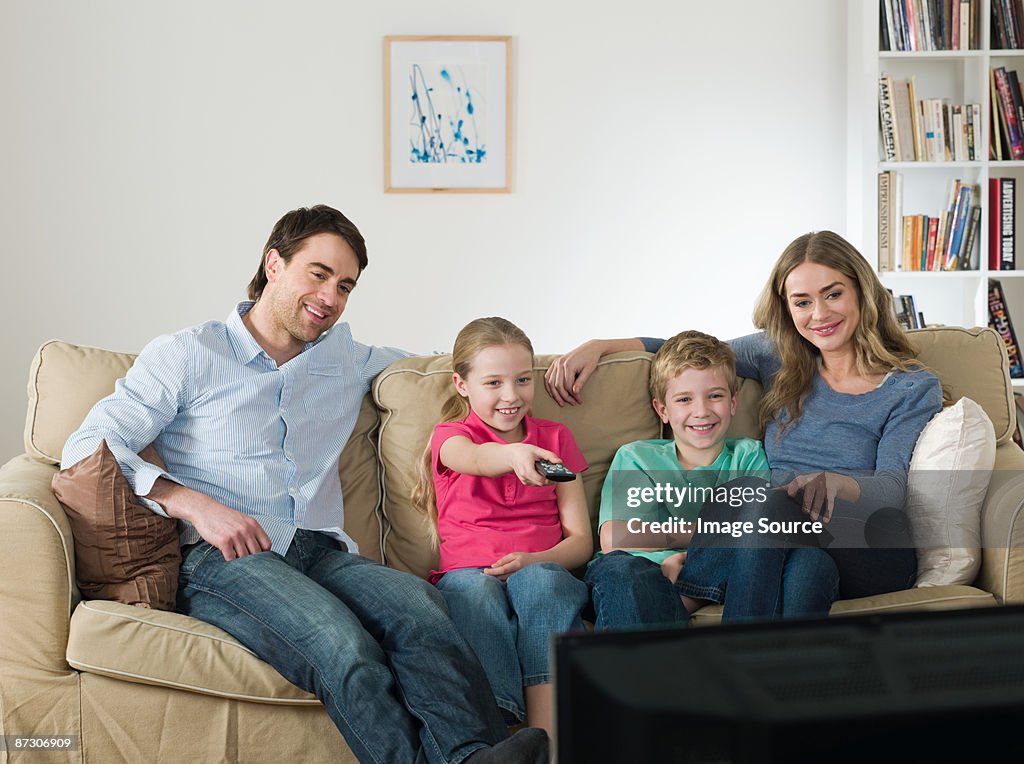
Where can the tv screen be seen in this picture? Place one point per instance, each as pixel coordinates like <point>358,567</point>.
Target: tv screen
<point>911,687</point>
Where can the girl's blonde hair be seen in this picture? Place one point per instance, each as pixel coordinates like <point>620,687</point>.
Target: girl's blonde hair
<point>475,337</point>
<point>880,343</point>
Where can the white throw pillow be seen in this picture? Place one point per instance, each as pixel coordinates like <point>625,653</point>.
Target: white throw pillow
<point>949,476</point>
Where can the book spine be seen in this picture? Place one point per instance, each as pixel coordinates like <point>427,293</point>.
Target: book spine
<point>959,227</point>
<point>1007,223</point>
<point>886,118</point>
<point>884,221</point>
<point>994,212</point>
<point>967,258</point>
<point>999,319</point>
<point>976,123</point>
<point>996,148</point>
<point>933,230</point>
<point>1012,124</point>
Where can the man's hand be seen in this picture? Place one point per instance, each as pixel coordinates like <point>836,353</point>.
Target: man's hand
<point>509,564</point>
<point>233,533</point>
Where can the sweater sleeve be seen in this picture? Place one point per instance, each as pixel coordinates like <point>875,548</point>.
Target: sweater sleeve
<point>921,399</point>
<point>651,344</point>
<point>755,357</point>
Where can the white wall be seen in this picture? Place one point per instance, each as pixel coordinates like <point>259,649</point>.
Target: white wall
<point>665,152</point>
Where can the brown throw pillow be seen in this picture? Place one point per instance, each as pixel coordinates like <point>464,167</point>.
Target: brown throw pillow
<point>123,551</point>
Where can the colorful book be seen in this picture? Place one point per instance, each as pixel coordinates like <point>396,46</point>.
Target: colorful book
<point>999,319</point>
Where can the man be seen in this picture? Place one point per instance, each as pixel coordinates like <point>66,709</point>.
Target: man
<point>250,417</point>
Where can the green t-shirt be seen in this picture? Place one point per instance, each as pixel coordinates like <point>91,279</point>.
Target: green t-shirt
<point>647,482</point>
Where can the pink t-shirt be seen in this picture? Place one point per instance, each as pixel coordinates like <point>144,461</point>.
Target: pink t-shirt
<point>481,519</point>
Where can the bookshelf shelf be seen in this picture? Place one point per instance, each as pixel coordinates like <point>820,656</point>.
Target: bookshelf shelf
<point>956,77</point>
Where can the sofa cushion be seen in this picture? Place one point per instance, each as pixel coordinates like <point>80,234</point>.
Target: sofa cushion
<point>928,598</point>
<point>971,363</point>
<point>123,551</point>
<point>56,408</point>
<point>616,409</point>
<point>949,476</point>
<point>134,644</point>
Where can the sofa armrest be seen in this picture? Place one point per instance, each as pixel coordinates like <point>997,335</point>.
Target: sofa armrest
<point>37,581</point>
<point>1002,528</point>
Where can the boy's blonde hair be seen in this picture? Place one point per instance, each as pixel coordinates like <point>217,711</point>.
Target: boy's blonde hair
<point>691,350</point>
<point>475,337</point>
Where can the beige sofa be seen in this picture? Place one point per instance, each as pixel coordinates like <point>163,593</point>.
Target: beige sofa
<point>142,685</point>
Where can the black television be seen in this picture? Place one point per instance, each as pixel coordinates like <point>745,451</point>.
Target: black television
<point>906,687</point>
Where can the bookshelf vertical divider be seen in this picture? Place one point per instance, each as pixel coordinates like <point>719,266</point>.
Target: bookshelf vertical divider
<point>962,76</point>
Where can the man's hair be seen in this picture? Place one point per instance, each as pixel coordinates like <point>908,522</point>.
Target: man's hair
<point>691,350</point>
<point>292,230</point>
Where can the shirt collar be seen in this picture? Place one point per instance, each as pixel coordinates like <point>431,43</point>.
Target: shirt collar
<point>244,344</point>
<point>478,425</point>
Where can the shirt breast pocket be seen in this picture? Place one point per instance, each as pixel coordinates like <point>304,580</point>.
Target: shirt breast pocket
<point>325,396</point>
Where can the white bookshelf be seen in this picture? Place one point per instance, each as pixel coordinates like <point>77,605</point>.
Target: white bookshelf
<point>954,298</point>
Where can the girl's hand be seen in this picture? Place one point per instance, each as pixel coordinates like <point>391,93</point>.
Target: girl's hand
<point>672,566</point>
<point>820,491</point>
<point>522,460</point>
<point>509,564</point>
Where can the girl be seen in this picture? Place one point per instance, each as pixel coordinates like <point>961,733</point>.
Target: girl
<point>506,534</point>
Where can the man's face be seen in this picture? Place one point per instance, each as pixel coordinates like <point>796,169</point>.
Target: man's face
<point>307,296</point>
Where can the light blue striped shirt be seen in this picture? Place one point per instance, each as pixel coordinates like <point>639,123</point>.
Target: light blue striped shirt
<point>230,423</point>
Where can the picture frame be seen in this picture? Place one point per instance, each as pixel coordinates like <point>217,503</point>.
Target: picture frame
<point>447,113</point>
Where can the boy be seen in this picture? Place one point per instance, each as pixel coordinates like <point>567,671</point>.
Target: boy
<point>656,488</point>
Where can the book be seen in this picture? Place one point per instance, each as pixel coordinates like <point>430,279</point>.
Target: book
<point>904,132</point>
<point>994,213</point>
<point>1007,223</point>
<point>887,118</point>
<point>999,319</point>
<point>967,258</point>
<point>998,135</point>
<point>886,181</point>
<point>1008,114</point>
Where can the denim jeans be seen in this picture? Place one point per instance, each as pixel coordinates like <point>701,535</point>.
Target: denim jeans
<point>866,552</point>
<point>509,624</point>
<point>374,644</point>
<point>630,591</point>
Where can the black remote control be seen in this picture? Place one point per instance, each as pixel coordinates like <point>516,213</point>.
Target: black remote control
<point>557,473</point>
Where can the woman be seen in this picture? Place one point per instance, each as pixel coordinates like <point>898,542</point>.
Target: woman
<point>845,400</point>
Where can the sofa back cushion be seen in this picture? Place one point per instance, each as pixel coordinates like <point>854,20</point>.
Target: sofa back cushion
<point>616,410</point>
<point>972,363</point>
<point>65,381</point>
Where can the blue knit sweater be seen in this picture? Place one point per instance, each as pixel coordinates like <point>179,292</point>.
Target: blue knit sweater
<point>869,436</point>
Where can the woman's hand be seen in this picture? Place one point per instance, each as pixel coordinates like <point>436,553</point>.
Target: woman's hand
<point>672,566</point>
<point>820,491</point>
<point>565,378</point>
<point>509,564</point>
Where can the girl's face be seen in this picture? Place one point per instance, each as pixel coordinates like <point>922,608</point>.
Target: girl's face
<point>824,305</point>
<point>499,387</point>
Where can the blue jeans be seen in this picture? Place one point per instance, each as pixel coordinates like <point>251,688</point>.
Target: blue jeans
<point>374,644</point>
<point>509,624</point>
<point>630,591</point>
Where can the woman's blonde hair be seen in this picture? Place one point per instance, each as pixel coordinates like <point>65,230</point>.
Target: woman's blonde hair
<point>880,343</point>
<point>475,337</point>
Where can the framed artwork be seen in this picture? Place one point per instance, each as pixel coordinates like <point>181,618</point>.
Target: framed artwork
<point>447,113</point>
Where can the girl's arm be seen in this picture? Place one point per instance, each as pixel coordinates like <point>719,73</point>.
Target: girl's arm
<point>576,545</point>
<point>459,454</point>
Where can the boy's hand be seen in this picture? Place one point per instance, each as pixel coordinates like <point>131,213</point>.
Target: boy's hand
<point>509,564</point>
<point>522,460</point>
<point>672,566</point>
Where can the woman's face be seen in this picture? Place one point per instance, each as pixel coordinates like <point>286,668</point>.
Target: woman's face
<point>824,305</point>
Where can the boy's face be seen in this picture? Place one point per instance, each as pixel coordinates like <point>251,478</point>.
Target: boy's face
<point>698,406</point>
